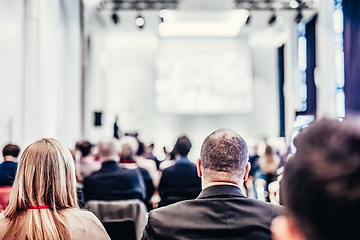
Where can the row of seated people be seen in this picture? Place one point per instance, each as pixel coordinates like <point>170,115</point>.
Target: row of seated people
<point>179,180</point>
<point>119,174</point>
<point>320,186</point>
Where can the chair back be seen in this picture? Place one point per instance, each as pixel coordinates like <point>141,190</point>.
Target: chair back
<point>5,192</point>
<point>121,230</point>
<point>109,212</point>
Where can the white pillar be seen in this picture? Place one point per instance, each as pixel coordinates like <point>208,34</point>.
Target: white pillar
<point>30,89</point>
<point>325,71</point>
<point>51,81</point>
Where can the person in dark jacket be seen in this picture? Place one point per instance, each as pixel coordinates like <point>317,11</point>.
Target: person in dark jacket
<point>9,166</point>
<point>113,182</point>
<point>180,181</point>
<point>221,211</point>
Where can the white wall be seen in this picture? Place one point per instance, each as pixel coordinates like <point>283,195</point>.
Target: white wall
<point>126,88</point>
<point>11,62</point>
<point>41,83</point>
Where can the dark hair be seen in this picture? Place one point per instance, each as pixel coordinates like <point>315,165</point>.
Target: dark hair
<point>321,183</point>
<point>11,150</point>
<point>183,146</point>
<point>85,148</point>
<point>141,149</point>
<point>226,151</point>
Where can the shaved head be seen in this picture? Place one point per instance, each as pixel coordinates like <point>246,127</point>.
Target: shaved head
<point>108,149</point>
<point>224,156</point>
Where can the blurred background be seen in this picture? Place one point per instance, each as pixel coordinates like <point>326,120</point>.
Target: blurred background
<point>70,69</point>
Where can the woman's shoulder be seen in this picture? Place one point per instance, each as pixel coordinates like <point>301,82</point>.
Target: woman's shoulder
<point>2,219</point>
<point>80,215</point>
<point>84,225</point>
<point>3,223</point>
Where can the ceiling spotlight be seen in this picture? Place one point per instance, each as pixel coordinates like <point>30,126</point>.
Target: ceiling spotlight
<point>115,18</point>
<point>294,4</point>
<point>272,19</point>
<point>139,21</point>
<point>298,17</point>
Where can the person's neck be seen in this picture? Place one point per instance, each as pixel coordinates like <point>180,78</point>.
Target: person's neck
<point>10,159</point>
<point>183,158</point>
<point>207,184</point>
<point>110,159</point>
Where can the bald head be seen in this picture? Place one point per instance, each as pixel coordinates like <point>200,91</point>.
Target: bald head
<point>108,149</point>
<point>223,157</point>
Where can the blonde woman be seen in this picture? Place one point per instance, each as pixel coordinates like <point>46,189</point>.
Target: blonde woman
<point>43,204</point>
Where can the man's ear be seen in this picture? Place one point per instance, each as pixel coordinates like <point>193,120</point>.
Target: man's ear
<point>247,171</point>
<point>198,167</point>
<point>283,228</point>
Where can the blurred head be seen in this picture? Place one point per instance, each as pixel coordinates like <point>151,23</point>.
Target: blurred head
<point>130,141</point>
<point>321,184</point>
<point>11,150</point>
<point>141,149</point>
<point>45,176</point>
<point>224,158</point>
<point>85,148</point>
<point>126,152</point>
<point>183,146</point>
<point>107,150</point>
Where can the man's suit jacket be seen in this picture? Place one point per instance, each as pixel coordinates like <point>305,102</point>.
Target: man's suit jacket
<point>220,212</point>
<point>179,182</point>
<point>112,182</point>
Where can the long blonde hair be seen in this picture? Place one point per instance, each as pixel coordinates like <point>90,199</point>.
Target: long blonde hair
<point>45,176</point>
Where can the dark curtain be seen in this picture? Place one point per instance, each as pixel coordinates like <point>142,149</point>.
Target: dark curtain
<point>351,10</point>
<point>311,64</point>
<point>281,90</point>
<point>310,68</point>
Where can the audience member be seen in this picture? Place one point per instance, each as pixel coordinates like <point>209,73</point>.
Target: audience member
<point>129,147</point>
<point>149,165</point>
<point>169,159</point>
<point>43,204</point>
<point>321,184</point>
<point>149,154</point>
<point>180,181</point>
<point>116,128</point>
<point>8,167</point>
<point>268,163</point>
<point>113,182</point>
<point>87,163</point>
<point>221,211</point>
<point>255,168</point>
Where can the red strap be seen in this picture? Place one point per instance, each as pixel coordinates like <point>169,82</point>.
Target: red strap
<point>38,207</point>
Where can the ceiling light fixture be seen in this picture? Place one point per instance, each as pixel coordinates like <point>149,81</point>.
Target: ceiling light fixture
<point>294,4</point>
<point>140,21</point>
<point>225,23</point>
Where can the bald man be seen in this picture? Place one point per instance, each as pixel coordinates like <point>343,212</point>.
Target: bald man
<point>112,182</point>
<point>221,211</point>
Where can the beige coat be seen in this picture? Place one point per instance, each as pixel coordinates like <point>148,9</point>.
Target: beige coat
<point>83,225</point>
